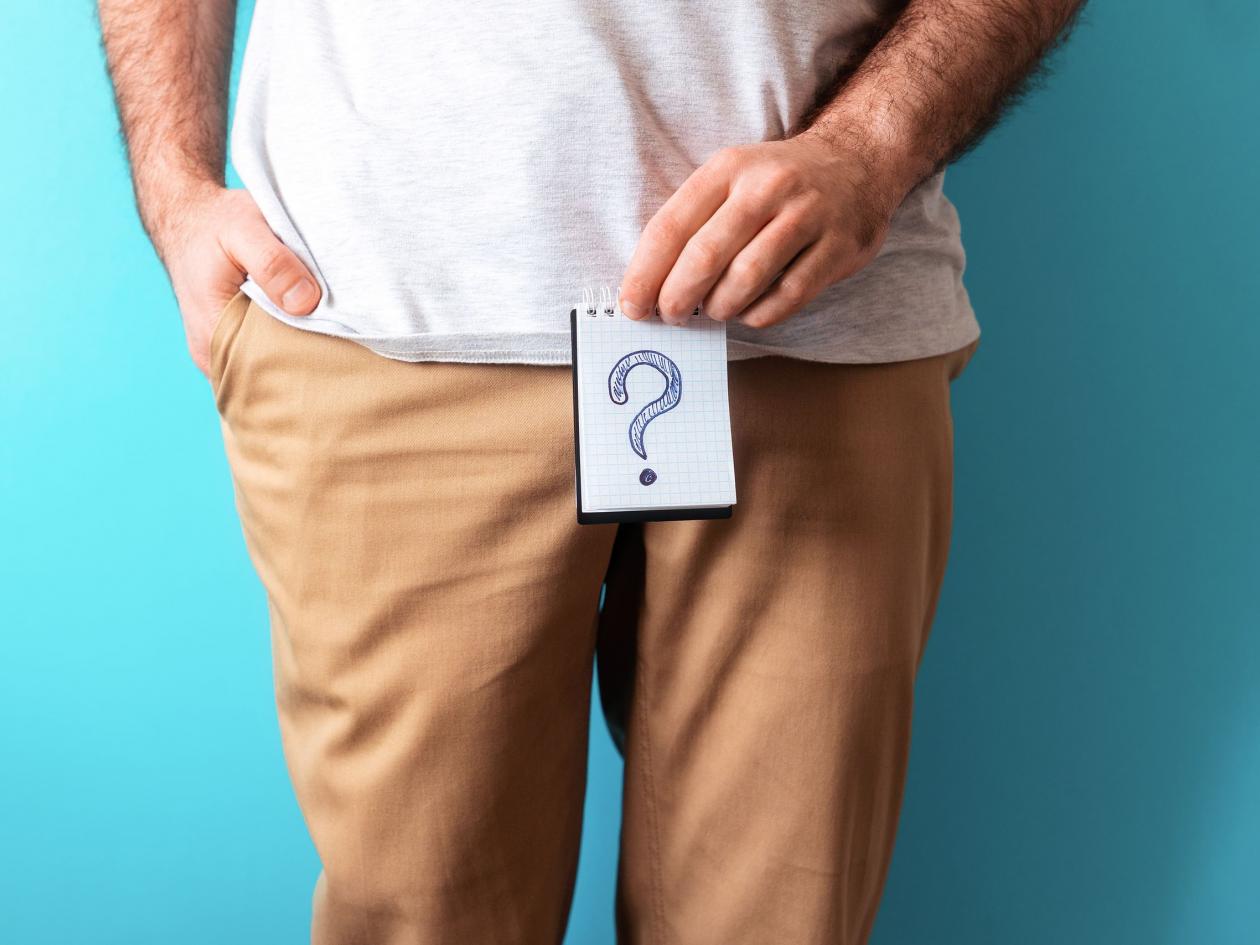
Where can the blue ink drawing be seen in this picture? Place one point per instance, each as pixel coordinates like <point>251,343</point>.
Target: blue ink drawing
<point>667,401</point>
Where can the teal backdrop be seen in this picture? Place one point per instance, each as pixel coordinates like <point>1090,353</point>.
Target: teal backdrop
<point>1086,762</point>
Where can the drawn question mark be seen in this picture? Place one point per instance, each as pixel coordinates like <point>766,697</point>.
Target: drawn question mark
<point>667,401</point>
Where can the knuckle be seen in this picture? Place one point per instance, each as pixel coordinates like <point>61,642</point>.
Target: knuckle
<point>665,229</point>
<point>803,184</point>
<point>773,182</point>
<point>273,263</point>
<point>748,274</point>
<point>796,216</point>
<point>761,192</point>
<point>704,254</point>
<point>726,159</point>
<point>716,307</point>
<point>745,214</point>
<point>761,318</point>
<point>781,174</point>
<point>671,304</point>
<point>793,292</point>
<point>637,289</point>
<point>723,306</point>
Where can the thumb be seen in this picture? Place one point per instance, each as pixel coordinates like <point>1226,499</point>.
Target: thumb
<point>256,251</point>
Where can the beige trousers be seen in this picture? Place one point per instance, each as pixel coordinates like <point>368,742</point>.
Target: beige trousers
<point>434,623</point>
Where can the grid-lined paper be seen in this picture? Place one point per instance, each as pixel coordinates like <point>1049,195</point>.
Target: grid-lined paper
<point>688,447</point>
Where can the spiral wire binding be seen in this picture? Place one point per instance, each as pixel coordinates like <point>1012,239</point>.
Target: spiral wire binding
<point>608,303</point>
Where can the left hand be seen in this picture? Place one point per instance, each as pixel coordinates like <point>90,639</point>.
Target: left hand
<point>758,231</point>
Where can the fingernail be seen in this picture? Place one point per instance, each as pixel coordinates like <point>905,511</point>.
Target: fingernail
<point>300,297</point>
<point>634,311</point>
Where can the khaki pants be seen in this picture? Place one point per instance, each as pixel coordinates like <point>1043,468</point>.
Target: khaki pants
<point>434,624</point>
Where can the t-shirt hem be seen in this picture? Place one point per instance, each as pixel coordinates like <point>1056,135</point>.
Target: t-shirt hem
<point>554,347</point>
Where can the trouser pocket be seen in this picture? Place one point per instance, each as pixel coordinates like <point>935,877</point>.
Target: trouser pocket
<point>226,328</point>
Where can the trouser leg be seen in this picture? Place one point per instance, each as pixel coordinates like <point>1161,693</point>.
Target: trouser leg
<point>768,721</point>
<point>432,603</point>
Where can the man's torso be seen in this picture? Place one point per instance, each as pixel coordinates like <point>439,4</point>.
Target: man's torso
<point>455,173</point>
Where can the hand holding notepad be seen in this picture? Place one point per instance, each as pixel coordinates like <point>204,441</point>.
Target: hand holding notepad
<point>651,417</point>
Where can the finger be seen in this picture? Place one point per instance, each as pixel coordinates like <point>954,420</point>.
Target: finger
<point>756,266</point>
<point>255,250</point>
<point>803,279</point>
<point>709,252</point>
<point>667,233</point>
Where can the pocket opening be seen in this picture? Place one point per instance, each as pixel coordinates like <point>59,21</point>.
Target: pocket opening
<point>218,334</point>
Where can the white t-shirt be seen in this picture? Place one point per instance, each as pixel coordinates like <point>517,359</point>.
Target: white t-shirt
<point>456,172</point>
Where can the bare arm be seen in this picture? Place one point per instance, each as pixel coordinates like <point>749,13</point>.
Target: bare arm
<point>940,79</point>
<point>758,231</point>
<point>169,61</point>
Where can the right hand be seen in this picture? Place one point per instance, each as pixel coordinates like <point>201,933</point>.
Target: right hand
<point>221,237</point>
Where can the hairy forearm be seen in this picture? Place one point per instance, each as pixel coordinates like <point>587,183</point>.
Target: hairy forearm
<point>937,81</point>
<point>170,61</point>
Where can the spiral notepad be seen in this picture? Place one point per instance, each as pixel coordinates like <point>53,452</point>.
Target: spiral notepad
<point>651,417</point>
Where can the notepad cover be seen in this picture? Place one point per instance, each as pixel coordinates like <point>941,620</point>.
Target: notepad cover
<point>651,418</point>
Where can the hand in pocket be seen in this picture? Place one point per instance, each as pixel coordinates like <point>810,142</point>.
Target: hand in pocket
<point>221,237</point>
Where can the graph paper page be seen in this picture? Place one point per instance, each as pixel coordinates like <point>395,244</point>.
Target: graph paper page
<point>673,380</point>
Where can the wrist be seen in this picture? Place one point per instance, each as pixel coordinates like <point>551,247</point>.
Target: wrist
<point>892,160</point>
<point>167,203</point>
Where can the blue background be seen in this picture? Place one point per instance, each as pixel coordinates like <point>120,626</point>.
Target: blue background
<point>1086,763</point>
